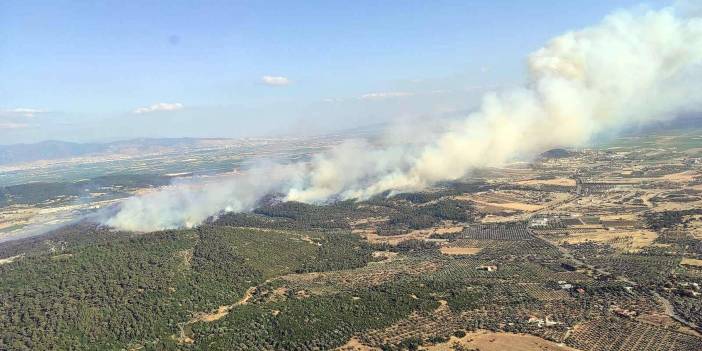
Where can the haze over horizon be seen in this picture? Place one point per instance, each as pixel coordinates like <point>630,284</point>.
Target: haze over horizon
<point>366,175</point>
<point>634,67</point>
<point>122,71</point>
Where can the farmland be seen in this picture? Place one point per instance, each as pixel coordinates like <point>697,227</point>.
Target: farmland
<point>596,250</point>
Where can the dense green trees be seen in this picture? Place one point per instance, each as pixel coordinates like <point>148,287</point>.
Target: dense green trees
<point>107,294</point>
<point>135,289</point>
<point>88,287</point>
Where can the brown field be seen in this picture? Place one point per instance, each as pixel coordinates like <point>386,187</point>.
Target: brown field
<point>696,233</point>
<point>355,345</point>
<point>373,237</point>
<point>421,234</point>
<point>446,250</point>
<point>518,201</point>
<point>499,203</point>
<point>625,241</point>
<point>619,217</point>
<point>691,262</point>
<point>555,181</point>
<point>499,219</point>
<point>10,259</point>
<point>387,255</point>
<point>448,230</point>
<point>686,176</point>
<point>11,216</point>
<point>491,341</point>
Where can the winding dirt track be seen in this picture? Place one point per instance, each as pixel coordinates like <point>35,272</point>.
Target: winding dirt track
<point>212,316</point>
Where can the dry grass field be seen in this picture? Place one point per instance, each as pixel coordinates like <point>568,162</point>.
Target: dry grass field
<point>691,262</point>
<point>685,177</point>
<point>554,181</point>
<point>621,240</point>
<point>497,202</point>
<point>420,234</point>
<point>491,341</point>
<point>452,250</point>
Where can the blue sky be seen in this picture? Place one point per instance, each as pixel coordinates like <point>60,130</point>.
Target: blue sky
<point>91,71</point>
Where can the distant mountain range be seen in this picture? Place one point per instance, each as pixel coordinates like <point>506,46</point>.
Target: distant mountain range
<point>53,149</point>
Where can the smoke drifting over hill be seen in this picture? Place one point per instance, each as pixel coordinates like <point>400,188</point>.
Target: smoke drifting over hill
<point>631,69</point>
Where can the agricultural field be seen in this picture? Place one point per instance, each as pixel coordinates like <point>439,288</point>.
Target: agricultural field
<point>596,249</point>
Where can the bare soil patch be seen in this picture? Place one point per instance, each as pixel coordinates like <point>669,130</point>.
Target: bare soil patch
<point>691,262</point>
<point>387,255</point>
<point>10,259</point>
<point>186,256</point>
<point>518,206</point>
<point>445,227</point>
<point>211,316</point>
<point>686,176</point>
<point>355,345</point>
<point>446,250</point>
<point>624,241</point>
<point>491,341</point>
<point>554,181</point>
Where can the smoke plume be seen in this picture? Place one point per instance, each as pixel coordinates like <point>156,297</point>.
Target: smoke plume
<point>631,69</point>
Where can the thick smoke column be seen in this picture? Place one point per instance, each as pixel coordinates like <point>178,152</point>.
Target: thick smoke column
<point>626,70</point>
<point>629,69</point>
<point>188,204</point>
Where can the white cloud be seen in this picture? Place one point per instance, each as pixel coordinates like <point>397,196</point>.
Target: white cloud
<point>385,95</point>
<point>23,112</point>
<point>161,106</point>
<point>12,125</point>
<point>277,81</point>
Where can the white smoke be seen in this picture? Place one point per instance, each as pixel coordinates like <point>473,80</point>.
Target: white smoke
<point>189,203</point>
<point>629,69</point>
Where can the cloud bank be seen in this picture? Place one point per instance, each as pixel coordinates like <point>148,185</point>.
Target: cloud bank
<point>275,80</point>
<point>385,95</point>
<point>161,106</point>
<point>22,112</point>
<point>13,125</point>
<point>16,118</point>
<point>630,69</point>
